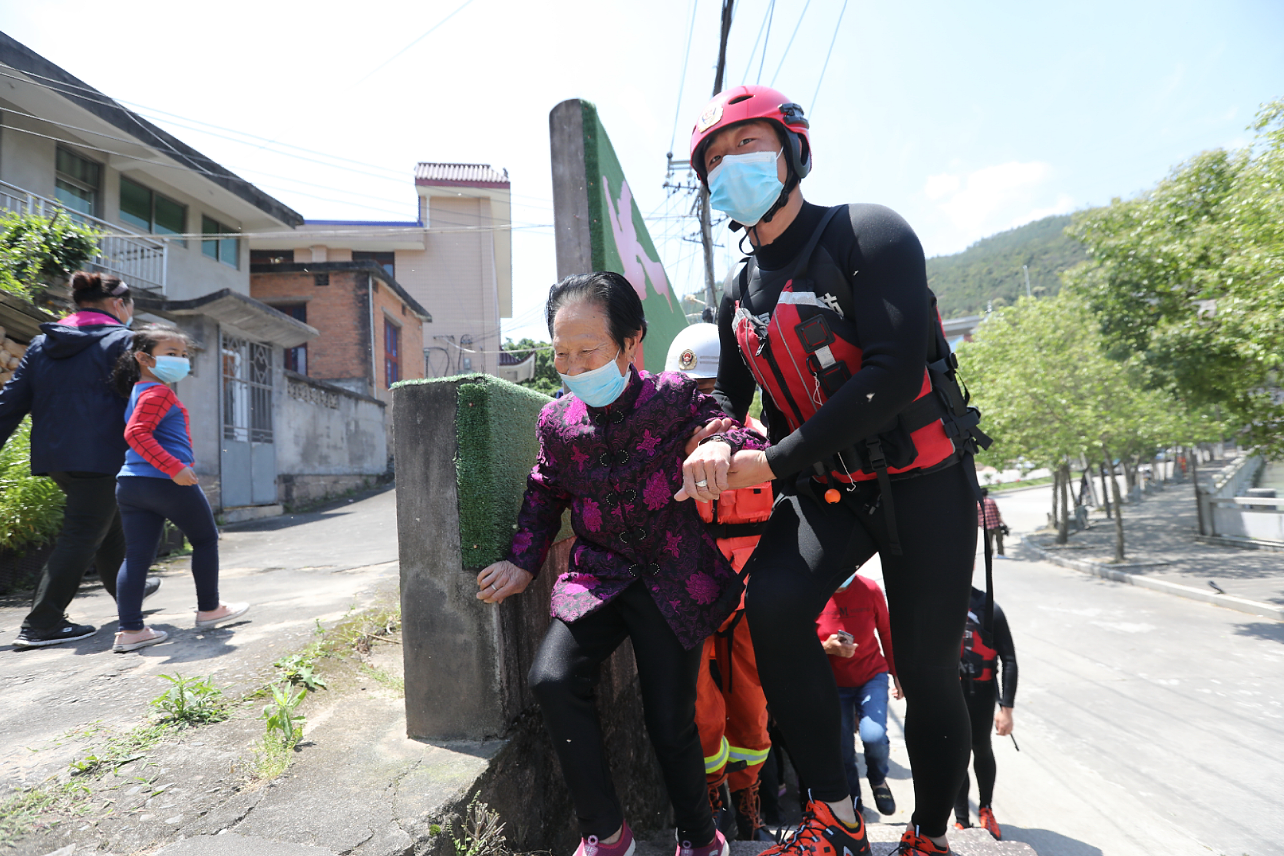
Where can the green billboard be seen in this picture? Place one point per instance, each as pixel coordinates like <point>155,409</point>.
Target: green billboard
<point>599,226</point>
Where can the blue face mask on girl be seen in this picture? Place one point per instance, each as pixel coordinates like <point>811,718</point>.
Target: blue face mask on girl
<point>171,369</point>
<point>744,187</point>
<point>599,387</point>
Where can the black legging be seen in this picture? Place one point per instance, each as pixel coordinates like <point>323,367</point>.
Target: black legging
<point>563,679</point>
<point>980,708</point>
<point>808,549</point>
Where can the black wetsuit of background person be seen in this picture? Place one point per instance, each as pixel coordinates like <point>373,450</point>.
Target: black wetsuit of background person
<point>810,546</point>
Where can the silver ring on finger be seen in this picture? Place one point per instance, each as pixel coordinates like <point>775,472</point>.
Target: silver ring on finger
<point>702,483</point>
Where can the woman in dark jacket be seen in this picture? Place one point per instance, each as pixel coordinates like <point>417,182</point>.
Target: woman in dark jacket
<point>78,440</point>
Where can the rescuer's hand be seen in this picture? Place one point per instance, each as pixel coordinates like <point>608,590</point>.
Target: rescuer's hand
<point>745,468</point>
<point>502,580</point>
<point>1003,721</point>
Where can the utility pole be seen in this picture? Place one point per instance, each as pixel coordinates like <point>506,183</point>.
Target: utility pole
<point>706,215</point>
<point>1026,268</point>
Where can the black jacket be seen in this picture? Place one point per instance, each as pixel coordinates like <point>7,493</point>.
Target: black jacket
<point>77,419</point>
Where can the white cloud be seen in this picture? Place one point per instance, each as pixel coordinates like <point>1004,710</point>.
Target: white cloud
<point>941,185</point>
<point>991,199</point>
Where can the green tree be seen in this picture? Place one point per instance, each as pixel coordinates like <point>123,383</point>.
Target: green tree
<point>1187,281</point>
<point>36,250</point>
<point>1039,373</point>
<point>546,379</point>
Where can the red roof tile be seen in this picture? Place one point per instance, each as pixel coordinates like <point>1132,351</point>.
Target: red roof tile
<point>460,175</point>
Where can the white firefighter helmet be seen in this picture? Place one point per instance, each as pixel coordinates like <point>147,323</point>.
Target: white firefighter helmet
<point>694,351</point>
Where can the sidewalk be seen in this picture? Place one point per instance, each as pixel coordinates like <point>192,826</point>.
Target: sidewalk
<point>1161,552</point>
<point>356,785</point>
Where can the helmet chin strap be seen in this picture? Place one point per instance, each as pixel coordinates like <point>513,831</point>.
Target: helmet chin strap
<point>783,200</point>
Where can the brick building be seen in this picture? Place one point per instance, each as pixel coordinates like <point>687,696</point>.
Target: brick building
<point>371,329</point>
<point>455,257</point>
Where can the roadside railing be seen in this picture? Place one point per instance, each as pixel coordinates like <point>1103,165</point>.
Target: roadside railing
<point>137,259</point>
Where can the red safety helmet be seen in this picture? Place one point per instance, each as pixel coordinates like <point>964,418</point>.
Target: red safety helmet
<point>746,104</point>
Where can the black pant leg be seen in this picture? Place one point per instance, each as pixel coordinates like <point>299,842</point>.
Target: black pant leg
<point>87,519</point>
<point>111,554</point>
<point>667,675</point>
<point>980,707</point>
<point>928,589</point>
<point>808,549</point>
<point>563,678</point>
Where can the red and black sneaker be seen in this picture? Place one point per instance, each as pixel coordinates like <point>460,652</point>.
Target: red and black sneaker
<point>986,820</point>
<point>913,844</point>
<point>823,834</point>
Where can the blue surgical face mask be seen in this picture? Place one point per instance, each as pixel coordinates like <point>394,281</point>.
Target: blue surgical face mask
<point>171,369</point>
<point>599,387</point>
<point>744,186</point>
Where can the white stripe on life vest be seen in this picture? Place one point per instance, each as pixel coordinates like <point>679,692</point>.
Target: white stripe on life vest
<point>801,298</point>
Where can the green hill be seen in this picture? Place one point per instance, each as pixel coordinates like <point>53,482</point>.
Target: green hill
<point>990,269</point>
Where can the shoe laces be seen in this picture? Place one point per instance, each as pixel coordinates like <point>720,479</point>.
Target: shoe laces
<point>805,836</point>
<point>749,803</point>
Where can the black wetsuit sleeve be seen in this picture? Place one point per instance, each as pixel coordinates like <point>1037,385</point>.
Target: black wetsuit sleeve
<point>1007,658</point>
<point>735,387</point>
<point>884,263</point>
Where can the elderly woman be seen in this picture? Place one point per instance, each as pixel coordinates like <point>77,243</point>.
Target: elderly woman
<point>643,565</point>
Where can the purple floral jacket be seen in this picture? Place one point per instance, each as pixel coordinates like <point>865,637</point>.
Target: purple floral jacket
<point>617,468</point>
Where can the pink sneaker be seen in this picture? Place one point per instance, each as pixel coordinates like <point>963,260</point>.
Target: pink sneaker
<point>717,847</point>
<point>624,847</point>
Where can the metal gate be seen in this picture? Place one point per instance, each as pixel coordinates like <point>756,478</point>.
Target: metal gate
<point>248,460</point>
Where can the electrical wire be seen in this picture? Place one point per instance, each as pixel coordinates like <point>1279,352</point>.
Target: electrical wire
<point>430,31</point>
<point>824,67</point>
<point>754,49</point>
<point>677,109</point>
<point>771,16</point>
<point>91,95</point>
<point>791,43</point>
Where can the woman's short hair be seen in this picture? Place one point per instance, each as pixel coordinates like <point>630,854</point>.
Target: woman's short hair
<point>89,287</point>
<point>607,289</point>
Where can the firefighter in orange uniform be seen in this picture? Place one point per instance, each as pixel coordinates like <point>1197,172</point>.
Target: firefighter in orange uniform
<point>731,710</point>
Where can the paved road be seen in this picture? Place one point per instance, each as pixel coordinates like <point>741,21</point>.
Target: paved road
<point>1147,723</point>
<point>295,570</point>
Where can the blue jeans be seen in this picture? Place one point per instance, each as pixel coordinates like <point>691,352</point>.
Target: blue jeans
<point>868,705</point>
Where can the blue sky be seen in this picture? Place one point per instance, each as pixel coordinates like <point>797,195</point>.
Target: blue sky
<point>966,118</point>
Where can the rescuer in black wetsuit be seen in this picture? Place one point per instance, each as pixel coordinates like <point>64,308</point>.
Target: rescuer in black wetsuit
<point>821,528</point>
<point>984,652</point>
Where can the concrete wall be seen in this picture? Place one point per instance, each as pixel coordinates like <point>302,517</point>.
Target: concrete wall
<point>332,431</point>
<point>466,661</point>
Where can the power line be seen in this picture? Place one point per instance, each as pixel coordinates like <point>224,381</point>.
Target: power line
<point>771,16</point>
<point>826,65</point>
<point>791,43</point>
<point>431,30</point>
<point>677,110</point>
<point>753,50</point>
<point>94,96</point>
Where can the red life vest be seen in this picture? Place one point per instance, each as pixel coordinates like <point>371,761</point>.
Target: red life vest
<point>803,353</point>
<point>804,350</point>
<point>977,660</point>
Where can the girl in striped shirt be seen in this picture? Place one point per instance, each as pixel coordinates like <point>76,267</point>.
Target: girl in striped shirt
<point>157,483</point>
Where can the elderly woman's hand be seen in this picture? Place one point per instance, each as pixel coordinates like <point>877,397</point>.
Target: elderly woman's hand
<point>714,464</point>
<point>715,426</point>
<point>501,580</point>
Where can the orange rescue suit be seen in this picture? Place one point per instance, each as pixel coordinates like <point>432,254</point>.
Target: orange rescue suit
<point>731,710</point>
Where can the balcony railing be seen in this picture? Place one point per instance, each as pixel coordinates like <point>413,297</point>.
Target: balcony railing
<point>137,259</point>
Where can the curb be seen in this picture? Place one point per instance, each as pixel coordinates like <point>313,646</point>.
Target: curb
<point>1098,569</point>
